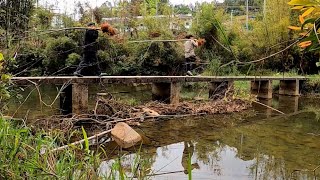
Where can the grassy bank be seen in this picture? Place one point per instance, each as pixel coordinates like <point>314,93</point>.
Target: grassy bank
<point>29,155</point>
<point>25,154</point>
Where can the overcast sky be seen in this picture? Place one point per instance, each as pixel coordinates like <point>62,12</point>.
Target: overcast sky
<point>68,5</point>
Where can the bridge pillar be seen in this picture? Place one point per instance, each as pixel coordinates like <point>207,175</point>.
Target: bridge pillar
<point>166,92</point>
<point>80,98</point>
<point>289,87</point>
<point>219,89</point>
<point>263,89</point>
<point>66,100</point>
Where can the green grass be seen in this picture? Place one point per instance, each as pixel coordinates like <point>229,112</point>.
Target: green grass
<point>314,79</point>
<point>25,154</point>
<point>28,155</point>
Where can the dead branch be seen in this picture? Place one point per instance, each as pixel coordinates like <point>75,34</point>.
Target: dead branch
<point>153,117</point>
<point>81,141</point>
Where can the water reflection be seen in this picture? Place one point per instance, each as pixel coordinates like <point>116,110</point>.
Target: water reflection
<point>277,148</point>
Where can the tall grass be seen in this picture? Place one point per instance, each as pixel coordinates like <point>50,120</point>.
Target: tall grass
<point>25,154</point>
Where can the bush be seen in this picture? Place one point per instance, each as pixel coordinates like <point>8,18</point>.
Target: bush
<point>29,57</point>
<point>73,59</point>
<point>58,51</point>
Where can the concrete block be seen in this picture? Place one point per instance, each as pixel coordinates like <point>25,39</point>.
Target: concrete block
<point>263,89</point>
<point>166,92</point>
<point>289,87</point>
<point>80,98</point>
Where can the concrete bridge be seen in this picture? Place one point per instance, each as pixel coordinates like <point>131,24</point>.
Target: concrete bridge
<point>164,88</point>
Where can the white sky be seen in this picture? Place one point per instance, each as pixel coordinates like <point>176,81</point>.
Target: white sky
<point>68,5</point>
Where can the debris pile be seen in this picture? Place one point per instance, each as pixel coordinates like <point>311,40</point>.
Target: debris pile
<point>109,112</point>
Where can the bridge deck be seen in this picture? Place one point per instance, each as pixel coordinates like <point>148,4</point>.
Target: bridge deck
<point>144,79</point>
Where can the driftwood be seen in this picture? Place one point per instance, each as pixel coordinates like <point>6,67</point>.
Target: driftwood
<point>152,117</point>
<point>81,141</point>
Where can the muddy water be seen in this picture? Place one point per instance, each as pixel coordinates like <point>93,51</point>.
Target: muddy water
<point>255,144</point>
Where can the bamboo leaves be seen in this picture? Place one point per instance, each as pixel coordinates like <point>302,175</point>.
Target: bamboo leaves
<point>303,3</point>
<point>295,28</point>
<point>309,8</point>
<point>308,12</point>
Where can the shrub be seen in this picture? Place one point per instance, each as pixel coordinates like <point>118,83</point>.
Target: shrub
<point>57,51</point>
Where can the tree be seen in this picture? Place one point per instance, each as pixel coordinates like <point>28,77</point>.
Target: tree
<point>42,18</point>
<point>182,9</point>
<point>15,15</point>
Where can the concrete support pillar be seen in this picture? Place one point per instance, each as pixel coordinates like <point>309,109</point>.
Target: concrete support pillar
<point>66,100</point>
<point>263,89</point>
<point>80,98</point>
<point>218,90</point>
<point>289,87</point>
<point>166,92</point>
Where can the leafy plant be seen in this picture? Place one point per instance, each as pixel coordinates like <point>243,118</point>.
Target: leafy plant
<point>310,24</point>
<point>310,10</point>
<point>4,82</point>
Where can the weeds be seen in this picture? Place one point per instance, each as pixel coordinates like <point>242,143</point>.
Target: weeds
<point>24,154</point>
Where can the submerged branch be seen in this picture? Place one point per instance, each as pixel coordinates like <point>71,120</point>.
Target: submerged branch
<point>268,107</point>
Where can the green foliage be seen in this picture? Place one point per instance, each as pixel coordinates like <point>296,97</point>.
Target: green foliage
<point>73,59</point>
<point>86,141</point>
<point>15,15</point>
<point>29,58</point>
<point>207,21</point>
<point>25,155</point>
<point>182,9</point>
<point>216,65</point>
<point>189,167</point>
<point>160,58</point>
<point>42,18</point>
<point>310,24</point>
<point>4,82</point>
<point>58,51</point>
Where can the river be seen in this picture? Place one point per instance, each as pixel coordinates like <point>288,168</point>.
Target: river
<point>256,144</point>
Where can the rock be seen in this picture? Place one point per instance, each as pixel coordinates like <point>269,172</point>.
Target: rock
<point>149,112</point>
<point>125,136</point>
